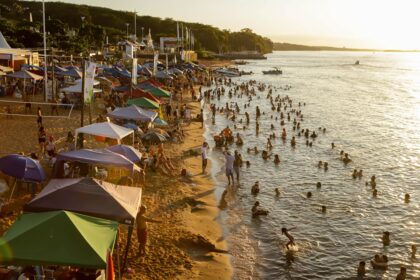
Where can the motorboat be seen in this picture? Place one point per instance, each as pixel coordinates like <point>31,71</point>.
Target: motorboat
<point>228,72</point>
<point>274,71</point>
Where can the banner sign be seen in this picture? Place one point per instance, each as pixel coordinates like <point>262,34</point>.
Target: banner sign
<point>155,63</point>
<point>134,72</point>
<point>129,50</point>
<point>90,69</point>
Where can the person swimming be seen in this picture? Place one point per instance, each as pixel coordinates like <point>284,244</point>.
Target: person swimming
<point>308,194</point>
<point>407,198</point>
<point>269,144</point>
<point>361,270</point>
<point>318,185</point>
<point>346,158</point>
<point>257,210</point>
<point>276,159</point>
<point>325,166</point>
<point>375,193</point>
<point>239,141</point>
<point>293,142</point>
<point>283,134</point>
<point>265,155</point>
<point>255,189</point>
<point>320,164</point>
<point>373,181</point>
<point>360,174</point>
<point>323,209</point>
<point>277,191</point>
<point>285,231</point>
<point>354,175</point>
<point>385,238</point>
<point>332,145</point>
<point>413,251</point>
<point>402,274</point>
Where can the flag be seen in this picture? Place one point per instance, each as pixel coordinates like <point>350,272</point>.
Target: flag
<point>109,267</point>
<point>134,72</point>
<point>155,62</point>
<point>90,69</point>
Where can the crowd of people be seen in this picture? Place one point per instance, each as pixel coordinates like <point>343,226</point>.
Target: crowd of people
<point>283,110</point>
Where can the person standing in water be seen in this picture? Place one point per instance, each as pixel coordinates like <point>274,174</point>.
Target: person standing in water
<point>285,231</point>
<point>230,159</point>
<point>204,156</point>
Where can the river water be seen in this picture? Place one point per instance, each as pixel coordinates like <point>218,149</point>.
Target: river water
<point>372,112</point>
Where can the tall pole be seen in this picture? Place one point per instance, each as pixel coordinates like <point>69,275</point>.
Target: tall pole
<point>45,52</point>
<point>82,100</point>
<point>127,24</point>
<point>135,27</point>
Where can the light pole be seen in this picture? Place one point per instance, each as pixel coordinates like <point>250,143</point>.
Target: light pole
<point>142,36</point>
<point>45,52</point>
<point>135,27</point>
<point>127,24</point>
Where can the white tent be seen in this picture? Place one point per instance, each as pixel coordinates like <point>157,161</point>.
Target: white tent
<point>106,129</point>
<point>77,87</point>
<point>3,42</point>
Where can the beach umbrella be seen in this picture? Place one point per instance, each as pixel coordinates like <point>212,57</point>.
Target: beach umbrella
<point>22,168</point>
<point>143,103</point>
<point>128,151</point>
<point>133,126</point>
<point>160,122</point>
<point>154,137</point>
<point>160,131</point>
<point>24,74</point>
<point>58,238</point>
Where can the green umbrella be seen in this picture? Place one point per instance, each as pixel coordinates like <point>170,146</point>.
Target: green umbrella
<point>158,92</point>
<point>58,238</point>
<point>143,103</point>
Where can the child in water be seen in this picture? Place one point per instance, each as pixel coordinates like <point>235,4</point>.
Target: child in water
<point>285,231</point>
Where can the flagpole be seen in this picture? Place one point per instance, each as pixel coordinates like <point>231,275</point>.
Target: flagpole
<point>45,52</point>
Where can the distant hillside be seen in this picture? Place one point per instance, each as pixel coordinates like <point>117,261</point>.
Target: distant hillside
<point>295,47</point>
<point>67,32</point>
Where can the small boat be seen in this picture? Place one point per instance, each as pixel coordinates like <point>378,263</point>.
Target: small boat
<point>357,62</point>
<point>229,72</point>
<point>275,71</point>
<point>240,62</point>
<point>246,73</point>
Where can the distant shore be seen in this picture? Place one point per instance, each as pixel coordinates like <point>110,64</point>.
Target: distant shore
<point>296,47</point>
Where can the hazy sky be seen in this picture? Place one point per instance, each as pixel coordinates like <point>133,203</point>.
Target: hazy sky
<point>387,24</point>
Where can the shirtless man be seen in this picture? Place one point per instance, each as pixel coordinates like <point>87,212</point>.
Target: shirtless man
<point>141,222</point>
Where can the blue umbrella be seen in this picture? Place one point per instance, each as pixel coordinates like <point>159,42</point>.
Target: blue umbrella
<point>23,168</point>
<point>129,152</point>
<point>159,121</point>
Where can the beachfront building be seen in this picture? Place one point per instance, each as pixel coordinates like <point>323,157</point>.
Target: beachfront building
<point>15,58</point>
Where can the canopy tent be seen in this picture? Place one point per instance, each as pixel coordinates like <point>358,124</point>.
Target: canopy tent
<point>101,157</point>
<point>128,151</point>
<point>77,87</point>
<point>133,113</point>
<point>25,74</point>
<point>6,69</point>
<point>160,122</point>
<point>71,72</point>
<point>137,93</point>
<point>90,197</point>
<point>143,103</point>
<point>3,42</point>
<point>106,129</point>
<point>58,238</point>
<point>155,91</point>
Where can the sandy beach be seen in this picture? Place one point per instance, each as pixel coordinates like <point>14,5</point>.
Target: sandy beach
<point>188,244</point>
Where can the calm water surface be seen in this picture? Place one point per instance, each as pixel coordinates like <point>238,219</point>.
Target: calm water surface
<point>371,111</point>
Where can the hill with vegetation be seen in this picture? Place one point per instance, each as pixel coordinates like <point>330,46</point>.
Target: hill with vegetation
<point>67,31</point>
<point>295,47</point>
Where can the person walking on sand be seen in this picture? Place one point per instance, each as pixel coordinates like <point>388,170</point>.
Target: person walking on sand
<point>230,159</point>
<point>141,221</point>
<point>204,156</point>
<point>285,231</point>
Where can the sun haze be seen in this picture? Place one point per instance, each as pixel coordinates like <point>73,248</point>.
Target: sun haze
<point>380,24</point>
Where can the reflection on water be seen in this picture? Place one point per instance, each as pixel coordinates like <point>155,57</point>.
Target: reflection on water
<point>371,111</point>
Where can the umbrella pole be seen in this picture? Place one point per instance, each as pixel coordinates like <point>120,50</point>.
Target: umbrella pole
<point>127,246</point>
<point>13,190</point>
<point>118,256</point>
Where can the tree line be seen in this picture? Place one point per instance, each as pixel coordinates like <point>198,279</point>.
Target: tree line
<point>81,28</point>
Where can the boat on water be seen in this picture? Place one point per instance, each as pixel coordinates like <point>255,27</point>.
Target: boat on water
<point>246,73</point>
<point>228,72</point>
<point>274,71</point>
<point>240,62</point>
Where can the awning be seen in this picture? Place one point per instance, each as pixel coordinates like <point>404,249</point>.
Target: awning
<point>90,197</point>
<point>143,103</point>
<point>58,238</point>
<point>25,74</point>
<point>133,113</point>
<point>105,129</point>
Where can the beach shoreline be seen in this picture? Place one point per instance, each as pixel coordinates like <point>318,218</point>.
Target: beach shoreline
<point>189,243</point>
